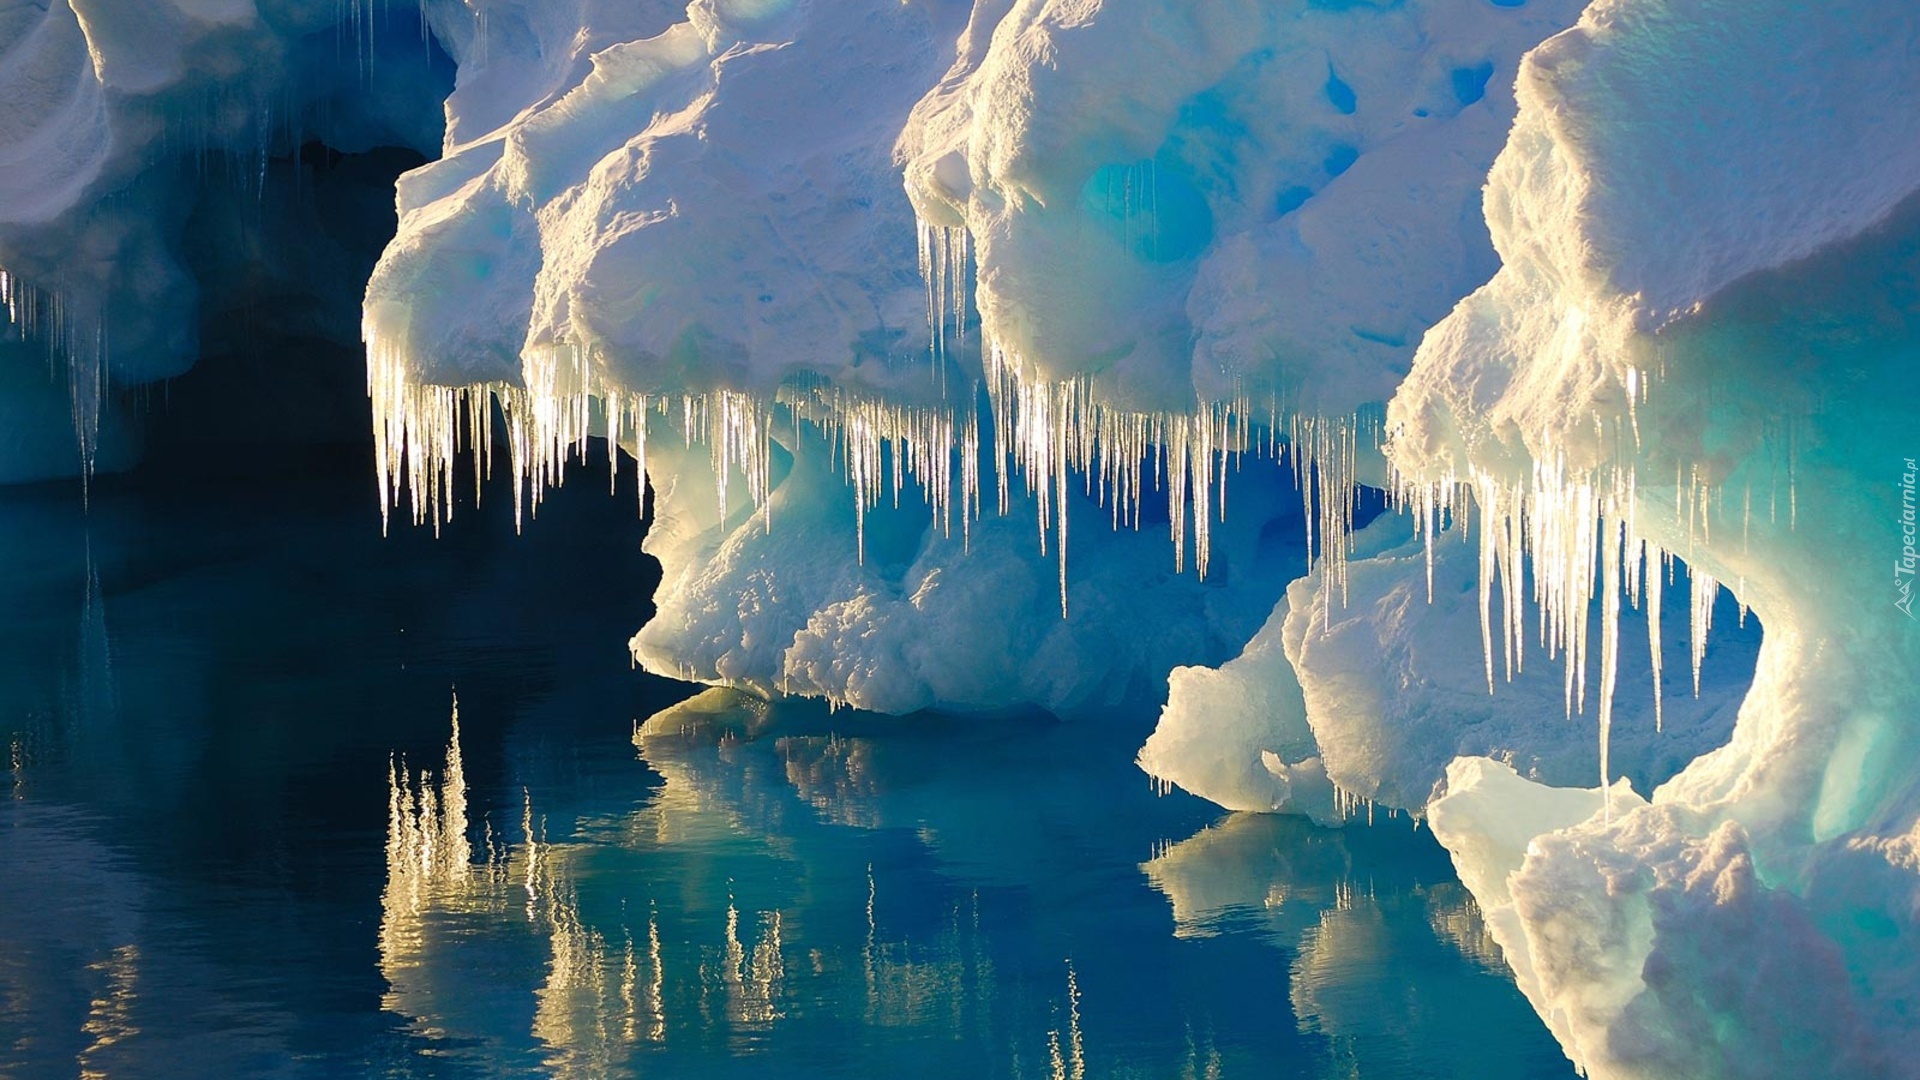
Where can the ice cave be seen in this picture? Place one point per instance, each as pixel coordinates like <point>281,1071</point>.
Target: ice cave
<point>981,538</point>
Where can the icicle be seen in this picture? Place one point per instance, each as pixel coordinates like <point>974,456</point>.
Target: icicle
<point>1489,550</point>
<point>1612,556</point>
<point>77,338</point>
<point>1705,590</point>
<point>1654,579</point>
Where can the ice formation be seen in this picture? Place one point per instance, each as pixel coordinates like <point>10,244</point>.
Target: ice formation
<point>118,118</point>
<point>923,319</point>
<point>1707,222</point>
<point>686,228</point>
<point>1394,690</point>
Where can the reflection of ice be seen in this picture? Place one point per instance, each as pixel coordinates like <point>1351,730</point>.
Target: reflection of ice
<point>1277,872</point>
<point>110,1017</point>
<point>1376,941</point>
<point>603,992</point>
<point>94,980</point>
<point>957,898</point>
<point>95,696</point>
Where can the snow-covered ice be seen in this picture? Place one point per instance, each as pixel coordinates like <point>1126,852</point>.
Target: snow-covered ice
<point>925,319</point>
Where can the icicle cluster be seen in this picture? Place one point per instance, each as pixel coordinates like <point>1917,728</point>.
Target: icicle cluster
<point>1046,432</point>
<point>1325,456</point>
<point>1576,531</point>
<point>77,337</point>
<point>945,267</point>
<point>882,446</point>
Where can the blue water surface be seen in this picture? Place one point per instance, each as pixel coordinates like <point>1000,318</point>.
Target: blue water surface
<point>222,858</point>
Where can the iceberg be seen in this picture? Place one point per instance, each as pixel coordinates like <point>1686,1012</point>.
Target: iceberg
<point>127,126</point>
<point>702,238</point>
<point>921,319</point>
<point>1707,223</point>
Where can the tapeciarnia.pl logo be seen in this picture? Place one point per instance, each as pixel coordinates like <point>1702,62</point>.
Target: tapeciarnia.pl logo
<point>1903,567</point>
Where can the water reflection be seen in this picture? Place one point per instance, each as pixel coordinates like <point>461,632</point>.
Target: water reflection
<point>241,837</point>
<point>89,987</point>
<point>200,683</point>
<point>805,893</point>
<point>1391,960</point>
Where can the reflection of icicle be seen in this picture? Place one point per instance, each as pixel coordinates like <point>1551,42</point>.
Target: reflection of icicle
<point>1076,1044</point>
<point>430,864</point>
<point>595,1002</point>
<point>110,1016</point>
<point>930,982</point>
<point>1201,1065</point>
<point>1072,1063</point>
<point>656,987</point>
<point>629,991</point>
<point>755,978</point>
<point>97,699</point>
<point>428,853</point>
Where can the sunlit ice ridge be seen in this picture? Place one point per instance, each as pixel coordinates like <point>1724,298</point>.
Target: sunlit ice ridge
<point>924,320</point>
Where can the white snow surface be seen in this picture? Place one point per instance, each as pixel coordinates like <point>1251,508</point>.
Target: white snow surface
<point>1273,198</point>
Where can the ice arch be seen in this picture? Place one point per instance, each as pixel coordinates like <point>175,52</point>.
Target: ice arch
<point>1709,230</point>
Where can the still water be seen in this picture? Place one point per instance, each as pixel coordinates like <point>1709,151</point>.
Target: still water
<point>239,836</point>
